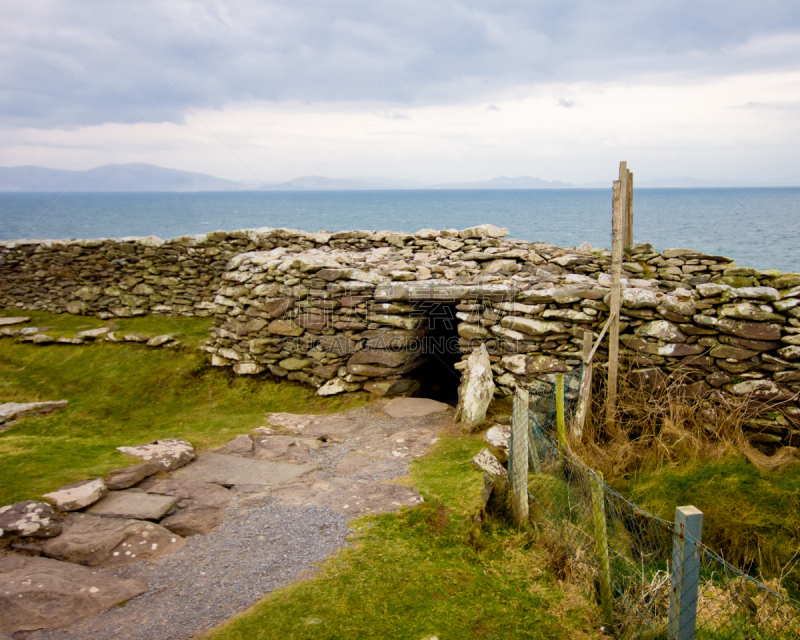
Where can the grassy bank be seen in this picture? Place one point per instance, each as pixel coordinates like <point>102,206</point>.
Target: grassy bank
<point>123,394</point>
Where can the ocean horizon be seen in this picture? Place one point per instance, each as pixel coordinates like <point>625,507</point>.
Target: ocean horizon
<point>757,227</point>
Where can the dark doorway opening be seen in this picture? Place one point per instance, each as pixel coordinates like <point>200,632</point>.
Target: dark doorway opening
<point>439,379</point>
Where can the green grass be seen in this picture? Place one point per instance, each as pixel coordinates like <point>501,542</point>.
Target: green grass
<point>125,394</point>
<point>751,517</point>
<point>429,570</point>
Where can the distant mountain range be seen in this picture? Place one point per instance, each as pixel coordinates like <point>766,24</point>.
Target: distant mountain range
<point>112,177</point>
<point>148,177</point>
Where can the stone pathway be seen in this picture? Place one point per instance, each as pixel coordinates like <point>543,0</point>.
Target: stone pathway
<point>234,524</point>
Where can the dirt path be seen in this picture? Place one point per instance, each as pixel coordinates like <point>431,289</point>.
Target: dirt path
<point>272,535</point>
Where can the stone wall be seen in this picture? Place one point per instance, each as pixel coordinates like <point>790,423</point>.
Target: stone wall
<point>353,310</point>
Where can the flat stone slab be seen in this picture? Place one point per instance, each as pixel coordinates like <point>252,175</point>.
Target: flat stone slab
<point>76,496</point>
<point>227,470</point>
<point>110,542</point>
<point>12,410</point>
<point>336,426</point>
<point>133,504</point>
<point>414,407</point>
<point>5,322</point>
<point>167,454</point>
<point>40,593</point>
<point>351,497</point>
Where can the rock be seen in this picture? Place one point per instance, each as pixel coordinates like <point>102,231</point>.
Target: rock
<point>129,476</point>
<point>750,311</point>
<point>6,322</point>
<point>241,445</point>
<point>402,322</point>
<point>336,386</point>
<point>650,380</point>
<point>159,341</point>
<point>757,389</point>
<point>77,496</point>
<point>377,371</point>
<point>29,519</point>
<point>285,448</point>
<point>483,231</point>
<point>476,390</point>
<point>498,436</point>
<point>391,387</point>
<point>134,505</point>
<point>39,593</point>
<point>413,407</point>
<point>662,330</point>
<point>522,364</point>
<point>473,331</point>
<point>13,410</point>
<point>726,351</point>
<point>109,542</point>
<point>768,294</point>
<point>285,328</point>
<point>486,461</point>
<point>339,344</point>
<point>167,455</point>
<point>532,327</point>
<point>637,298</point>
<point>748,330</point>
<point>228,470</point>
<point>790,353</point>
<point>248,368</point>
<point>202,505</point>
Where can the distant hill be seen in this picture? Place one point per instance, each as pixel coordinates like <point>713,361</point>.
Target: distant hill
<point>321,183</point>
<point>523,182</point>
<point>112,177</point>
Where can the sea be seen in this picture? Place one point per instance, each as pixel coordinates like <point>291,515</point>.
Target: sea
<point>757,227</point>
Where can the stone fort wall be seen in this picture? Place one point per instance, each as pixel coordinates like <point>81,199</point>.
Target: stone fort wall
<point>353,310</point>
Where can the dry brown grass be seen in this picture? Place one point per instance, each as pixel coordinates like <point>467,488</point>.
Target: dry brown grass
<point>667,425</point>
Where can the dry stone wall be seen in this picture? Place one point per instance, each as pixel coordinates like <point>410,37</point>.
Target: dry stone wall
<point>357,310</point>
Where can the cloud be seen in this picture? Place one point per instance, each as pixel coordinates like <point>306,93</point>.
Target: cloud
<point>66,64</point>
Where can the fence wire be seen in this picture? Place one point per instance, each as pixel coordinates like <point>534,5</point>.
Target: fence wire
<point>623,554</point>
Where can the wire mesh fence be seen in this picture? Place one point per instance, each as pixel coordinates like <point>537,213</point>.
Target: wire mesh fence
<point>651,578</point>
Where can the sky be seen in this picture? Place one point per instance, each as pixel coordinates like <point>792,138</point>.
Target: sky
<point>449,91</point>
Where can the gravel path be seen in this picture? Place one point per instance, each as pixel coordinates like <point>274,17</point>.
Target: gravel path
<point>259,548</point>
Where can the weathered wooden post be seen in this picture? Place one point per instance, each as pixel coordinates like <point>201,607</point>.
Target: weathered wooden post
<point>560,421</point>
<point>533,451</point>
<point>629,213</point>
<point>685,573</point>
<point>619,206</point>
<point>585,398</point>
<point>518,473</point>
<point>601,546</point>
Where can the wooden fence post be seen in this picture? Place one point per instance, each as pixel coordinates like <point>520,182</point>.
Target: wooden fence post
<point>585,399</point>
<point>629,213</point>
<point>518,473</point>
<point>560,422</point>
<point>533,450</point>
<point>617,222</point>
<point>601,542</point>
<point>685,573</point>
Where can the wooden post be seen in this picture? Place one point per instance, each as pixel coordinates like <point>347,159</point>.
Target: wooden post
<point>601,548</point>
<point>629,213</point>
<point>617,221</point>
<point>560,422</point>
<point>685,573</point>
<point>519,457</point>
<point>585,400</point>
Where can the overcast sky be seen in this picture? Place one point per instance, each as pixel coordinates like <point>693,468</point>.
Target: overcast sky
<point>448,91</point>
